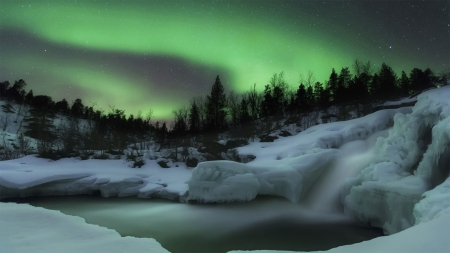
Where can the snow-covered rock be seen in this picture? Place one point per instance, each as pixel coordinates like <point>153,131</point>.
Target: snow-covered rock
<point>32,176</point>
<point>413,159</point>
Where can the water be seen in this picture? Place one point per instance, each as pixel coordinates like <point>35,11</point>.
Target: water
<point>265,223</point>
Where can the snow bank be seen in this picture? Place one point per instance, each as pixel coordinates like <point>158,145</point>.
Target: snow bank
<point>287,167</point>
<point>31,176</point>
<point>430,237</point>
<point>25,228</point>
<point>413,159</point>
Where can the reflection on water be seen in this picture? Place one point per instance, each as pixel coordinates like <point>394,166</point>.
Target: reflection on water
<point>265,223</point>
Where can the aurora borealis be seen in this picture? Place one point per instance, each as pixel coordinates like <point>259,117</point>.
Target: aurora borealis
<point>137,55</point>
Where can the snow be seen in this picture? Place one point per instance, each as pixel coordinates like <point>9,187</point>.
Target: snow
<point>430,237</point>
<point>413,159</point>
<point>287,167</point>
<point>406,186</point>
<point>30,176</point>
<point>25,228</point>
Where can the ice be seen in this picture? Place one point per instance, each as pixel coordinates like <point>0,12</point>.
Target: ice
<point>33,229</point>
<point>413,159</point>
<point>435,204</point>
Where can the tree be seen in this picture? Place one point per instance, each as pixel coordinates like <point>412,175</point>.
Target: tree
<point>310,100</point>
<point>360,68</point>
<point>404,84</point>
<point>233,108</point>
<point>333,85</point>
<point>387,87</point>
<point>77,108</point>
<point>374,84</point>
<point>422,80</point>
<point>216,103</point>
<point>301,99</point>
<point>40,124</point>
<point>62,106</point>
<point>194,118</point>
<point>180,126</point>
<point>17,91</point>
<point>254,102</point>
<point>267,103</point>
<point>342,85</point>
<point>4,86</point>
<point>29,97</point>
<point>278,87</point>
<point>244,116</point>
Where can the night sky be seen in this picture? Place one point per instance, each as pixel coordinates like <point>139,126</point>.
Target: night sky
<point>137,55</point>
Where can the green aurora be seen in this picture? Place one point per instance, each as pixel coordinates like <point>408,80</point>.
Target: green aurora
<point>125,54</point>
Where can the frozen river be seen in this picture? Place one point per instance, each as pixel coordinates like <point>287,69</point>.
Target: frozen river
<point>265,223</point>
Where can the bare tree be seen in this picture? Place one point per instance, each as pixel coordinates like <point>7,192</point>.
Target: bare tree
<point>359,68</point>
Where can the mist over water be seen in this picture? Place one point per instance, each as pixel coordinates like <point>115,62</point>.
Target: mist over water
<point>316,223</point>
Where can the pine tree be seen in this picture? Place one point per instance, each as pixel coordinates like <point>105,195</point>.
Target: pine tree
<point>404,84</point>
<point>342,85</point>
<point>310,100</point>
<point>77,108</point>
<point>333,85</point>
<point>300,98</point>
<point>387,83</point>
<point>40,123</point>
<point>194,118</point>
<point>216,103</point>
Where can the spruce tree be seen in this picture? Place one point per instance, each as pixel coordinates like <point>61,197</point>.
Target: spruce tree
<point>194,118</point>
<point>300,98</point>
<point>333,84</point>
<point>216,103</point>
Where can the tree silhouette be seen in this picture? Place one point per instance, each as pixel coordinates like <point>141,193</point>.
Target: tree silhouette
<point>194,118</point>
<point>333,85</point>
<point>215,105</point>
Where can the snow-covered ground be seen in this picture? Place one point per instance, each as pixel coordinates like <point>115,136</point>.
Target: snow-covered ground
<point>405,185</point>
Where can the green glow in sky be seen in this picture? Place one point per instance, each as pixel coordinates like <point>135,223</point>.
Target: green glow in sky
<point>249,43</point>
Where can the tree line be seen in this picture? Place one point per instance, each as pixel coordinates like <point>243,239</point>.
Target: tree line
<point>242,115</point>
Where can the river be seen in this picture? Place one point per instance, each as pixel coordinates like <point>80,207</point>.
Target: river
<point>264,223</point>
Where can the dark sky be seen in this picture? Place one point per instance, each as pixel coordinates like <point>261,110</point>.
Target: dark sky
<point>141,55</point>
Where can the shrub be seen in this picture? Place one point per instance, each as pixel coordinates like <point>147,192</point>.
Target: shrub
<point>103,156</point>
<point>191,162</point>
<point>163,164</point>
<point>139,163</point>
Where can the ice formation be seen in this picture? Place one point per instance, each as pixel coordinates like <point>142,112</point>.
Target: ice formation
<point>287,167</point>
<point>25,228</point>
<point>413,159</point>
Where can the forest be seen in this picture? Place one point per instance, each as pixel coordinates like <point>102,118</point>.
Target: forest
<point>241,117</point>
